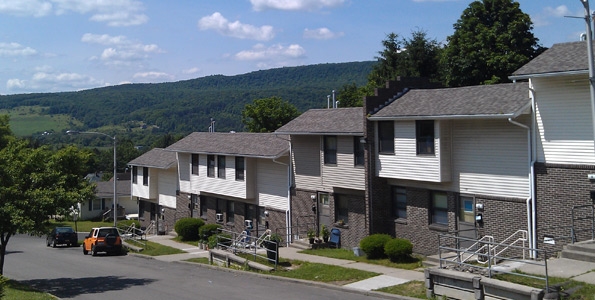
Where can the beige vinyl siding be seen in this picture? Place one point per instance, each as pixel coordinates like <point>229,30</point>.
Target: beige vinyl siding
<point>490,157</point>
<point>406,164</point>
<point>184,165</point>
<point>563,113</point>
<point>140,190</point>
<point>168,184</point>
<point>272,183</point>
<point>344,174</point>
<point>153,183</point>
<point>307,161</point>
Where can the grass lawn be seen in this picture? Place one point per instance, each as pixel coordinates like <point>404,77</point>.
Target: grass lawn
<point>155,249</point>
<point>414,263</point>
<point>414,289</point>
<point>16,291</point>
<point>569,289</point>
<point>82,226</point>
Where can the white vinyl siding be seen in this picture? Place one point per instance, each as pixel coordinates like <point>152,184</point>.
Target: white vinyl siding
<point>490,157</point>
<point>344,174</point>
<point>227,186</point>
<point>140,190</point>
<point>306,161</point>
<point>563,113</point>
<point>406,164</point>
<point>272,183</point>
<point>184,165</point>
<point>168,184</point>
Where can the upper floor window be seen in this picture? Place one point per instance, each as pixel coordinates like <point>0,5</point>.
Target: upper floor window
<point>211,165</point>
<point>399,203</point>
<point>145,176</point>
<point>386,137</point>
<point>358,151</point>
<point>221,166</point>
<point>134,174</point>
<point>195,164</point>
<point>424,135</point>
<point>439,212</point>
<point>240,168</point>
<point>330,150</point>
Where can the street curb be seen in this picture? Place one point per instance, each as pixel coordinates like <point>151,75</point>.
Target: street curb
<point>287,279</point>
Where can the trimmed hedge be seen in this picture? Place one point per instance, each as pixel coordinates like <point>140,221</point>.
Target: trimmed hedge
<point>373,245</point>
<point>208,230</point>
<point>187,228</point>
<point>398,250</point>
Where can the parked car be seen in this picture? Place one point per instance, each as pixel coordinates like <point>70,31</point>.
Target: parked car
<point>62,236</point>
<point>103,239</point>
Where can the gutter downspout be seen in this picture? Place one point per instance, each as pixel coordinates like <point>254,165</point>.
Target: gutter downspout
<point>288,211</point>
<point>530,203</point>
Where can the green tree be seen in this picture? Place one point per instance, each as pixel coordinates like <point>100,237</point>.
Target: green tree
<point>268,114</point>
<point>37,183</point>
<point>350,95</point>
<point>492,39</point>
<point>390,62</point>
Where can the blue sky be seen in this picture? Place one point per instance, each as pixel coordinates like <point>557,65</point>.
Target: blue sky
<point>69,45</point>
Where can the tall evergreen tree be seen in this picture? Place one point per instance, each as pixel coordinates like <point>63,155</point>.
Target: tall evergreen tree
<point>492,39</point>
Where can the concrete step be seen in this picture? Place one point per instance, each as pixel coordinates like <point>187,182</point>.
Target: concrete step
<point>301,244</point>
<point>583,251</point>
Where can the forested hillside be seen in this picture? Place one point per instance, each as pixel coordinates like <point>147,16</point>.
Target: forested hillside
<point>186,106</point>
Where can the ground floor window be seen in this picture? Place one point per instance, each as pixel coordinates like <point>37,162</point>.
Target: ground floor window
<point>341,209</point>
<point>399,203</point>
<point>439,208</point>
<point>96,204</point>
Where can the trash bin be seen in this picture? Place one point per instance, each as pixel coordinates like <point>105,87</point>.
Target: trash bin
<point>357,251</point>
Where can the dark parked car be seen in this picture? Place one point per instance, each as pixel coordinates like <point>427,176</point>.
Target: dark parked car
<point>62,236</point>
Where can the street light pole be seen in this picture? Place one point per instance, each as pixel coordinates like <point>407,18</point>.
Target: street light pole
<point>115,196</point>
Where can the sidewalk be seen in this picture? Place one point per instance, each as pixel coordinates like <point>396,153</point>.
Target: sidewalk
<point>558,267</point>
<point>388,277</point>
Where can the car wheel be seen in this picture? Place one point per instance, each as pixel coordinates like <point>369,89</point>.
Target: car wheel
<point>47,242</point>
<point>54,244</point>
<point>93,250</point>
<point>85,252</point>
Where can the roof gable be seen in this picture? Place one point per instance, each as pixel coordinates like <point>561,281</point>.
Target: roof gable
<point>336,121</point>
<point>155,158</point>
<point>483,101</point>
<point>265,145</point>
<point>560,58</point>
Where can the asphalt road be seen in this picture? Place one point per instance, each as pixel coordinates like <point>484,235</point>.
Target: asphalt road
<point>68,274</point>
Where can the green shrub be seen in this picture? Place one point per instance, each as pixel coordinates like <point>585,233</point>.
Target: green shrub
<point>2,286</point>
<point>223,239</point>
<point>208,230</point>
<point>398,250</point>
<point>373,245</point>
<point>187,228</point>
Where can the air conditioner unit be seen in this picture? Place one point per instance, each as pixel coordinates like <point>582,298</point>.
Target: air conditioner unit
<point>196,206</point>
<point>219,217</point>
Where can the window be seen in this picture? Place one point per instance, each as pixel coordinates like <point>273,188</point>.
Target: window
<point>358,151</point>
<point>341,209</point>
<point>239,168</point>
<point>195,164</point>
<point>145,176</point>
<point>399,203</point>
<point>230,212</point>
<point>221,166</point>
<point>424,135</point>
<point>221,206</point>
<point>386,137</point>
<point>203,207</point>
<point>134,174</point>
<point>439,208</point>
<point>330,150</point>
<point>211,165</point>
<point>466,213</point>
<point>96,204</point>
<point>250,213</point>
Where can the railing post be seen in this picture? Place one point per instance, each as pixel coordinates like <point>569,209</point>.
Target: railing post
<point>592,224</point>
<point>489,261</point>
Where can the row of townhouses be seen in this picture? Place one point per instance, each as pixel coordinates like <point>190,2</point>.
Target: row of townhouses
<point>416,161</point>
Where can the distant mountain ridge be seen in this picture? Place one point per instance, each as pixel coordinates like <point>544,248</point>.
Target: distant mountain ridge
<point>186,106</point>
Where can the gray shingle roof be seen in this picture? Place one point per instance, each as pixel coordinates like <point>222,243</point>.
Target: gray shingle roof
<point>338,121</point>
<point>155,158</point>
<point>105,189</point>
<point>265,145</point>
<point>560,58</point>
<point>483,101</point>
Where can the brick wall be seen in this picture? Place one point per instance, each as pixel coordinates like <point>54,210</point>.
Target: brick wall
<point>559,188</point>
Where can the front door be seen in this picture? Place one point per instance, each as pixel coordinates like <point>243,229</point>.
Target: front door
<point>324,210</point>
<point>466,221</point>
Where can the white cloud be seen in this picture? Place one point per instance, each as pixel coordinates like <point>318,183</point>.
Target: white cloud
<point>122,51</point>
<point>217,22</point>
<point>112,12</point>
<point>21,8</point>
<point>153,76</point>
<point>543,18</point>
<point>191,71</point>
<point>304,5</point>
<point>50,81</point>
<point>321,34</point>
<point>15,49</point>
<point>275,52</point>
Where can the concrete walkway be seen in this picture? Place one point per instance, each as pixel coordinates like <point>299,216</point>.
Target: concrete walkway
<point>558,267</point>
